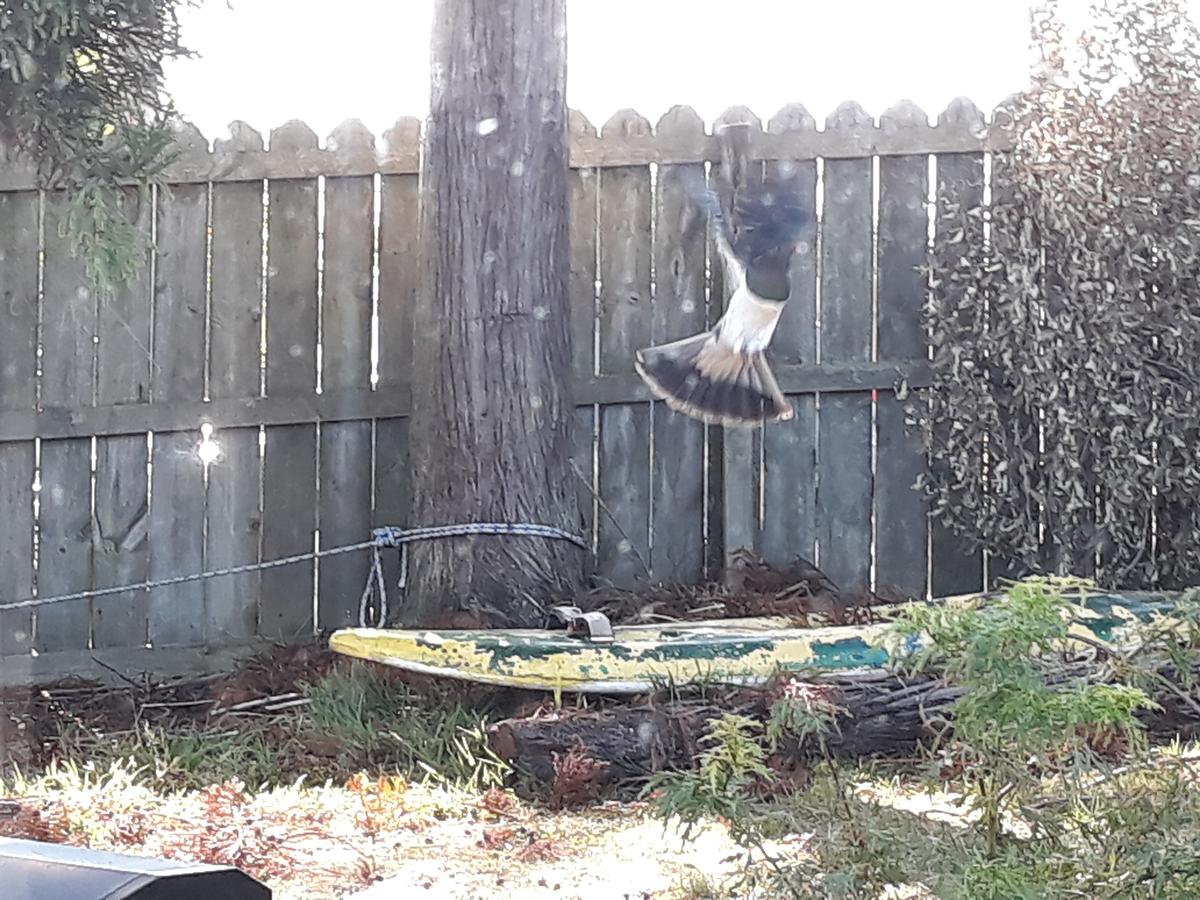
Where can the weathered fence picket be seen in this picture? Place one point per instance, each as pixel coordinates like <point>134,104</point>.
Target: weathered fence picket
<point>65,519</point>
<point>120,551</point>
<point>19,230</point>
<point>954,568</point>
<point>176,614</point>
<point>399,277</point>
<point>583,187</point>
<point>844,474</point>
<point>677,489</point>
<point>345,479</point>
<point>738,449</point>
<point>290,455</point>
<point>901,544</point>
<point>248,396</point>
<point>624,211</point>
<point>789,459</point>
<point>233,517</point>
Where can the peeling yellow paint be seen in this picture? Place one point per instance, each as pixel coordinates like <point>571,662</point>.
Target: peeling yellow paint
<point>745,651</point>
<point>730,650</point>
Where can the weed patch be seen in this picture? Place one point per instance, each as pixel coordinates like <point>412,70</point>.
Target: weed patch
<point>1047,788</point>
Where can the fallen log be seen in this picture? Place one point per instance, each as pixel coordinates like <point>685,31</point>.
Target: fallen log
<point>878,714</point>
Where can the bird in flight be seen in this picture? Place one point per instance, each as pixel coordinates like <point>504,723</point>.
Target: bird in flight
<point>721,376</point>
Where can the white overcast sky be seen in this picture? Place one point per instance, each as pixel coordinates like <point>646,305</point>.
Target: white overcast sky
<point>268,61</point>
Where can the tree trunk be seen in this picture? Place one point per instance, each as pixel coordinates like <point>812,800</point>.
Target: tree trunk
<point>491,383</point>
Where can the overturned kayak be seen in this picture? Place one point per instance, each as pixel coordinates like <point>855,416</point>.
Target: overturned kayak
<point>637,659</point>
<point>592,657</point>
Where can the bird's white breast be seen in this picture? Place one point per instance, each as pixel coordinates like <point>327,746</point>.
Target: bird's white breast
<point>749,323</point>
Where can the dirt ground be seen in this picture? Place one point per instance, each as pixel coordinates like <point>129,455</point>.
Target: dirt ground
<point>360,841</point>
<point>610,853</point>
<point>327,835</point>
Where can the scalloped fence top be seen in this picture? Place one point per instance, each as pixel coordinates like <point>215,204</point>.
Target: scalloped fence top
<point>293,150</point>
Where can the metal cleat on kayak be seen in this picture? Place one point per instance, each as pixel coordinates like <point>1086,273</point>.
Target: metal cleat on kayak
<point>594,625</point>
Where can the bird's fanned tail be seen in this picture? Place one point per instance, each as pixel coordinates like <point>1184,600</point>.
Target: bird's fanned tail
<point>721,376</point>
<point>706,379</point>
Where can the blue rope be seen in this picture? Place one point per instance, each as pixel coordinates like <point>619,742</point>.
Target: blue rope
<point>392,536</point>
<point>386,536</point>
<point>184,579</point>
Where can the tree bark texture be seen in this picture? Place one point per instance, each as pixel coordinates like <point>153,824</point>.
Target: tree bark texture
<point>879,715</point>
<point>491,382</point>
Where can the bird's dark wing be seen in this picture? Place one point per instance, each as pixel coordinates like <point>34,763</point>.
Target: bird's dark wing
<point>769,214</point>
<point>760,234</point>
<point>768,221</point>
<point>710,203</point>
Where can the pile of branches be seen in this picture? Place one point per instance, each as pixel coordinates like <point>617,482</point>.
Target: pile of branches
<point>38,724</point>
<point>1066,315</point>
<point>752,587</point>
<point>874,714</point>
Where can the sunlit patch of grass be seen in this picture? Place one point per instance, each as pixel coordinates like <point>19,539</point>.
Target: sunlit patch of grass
<point>427,735</point>
<point>193,757</point>
<point>358,719</point>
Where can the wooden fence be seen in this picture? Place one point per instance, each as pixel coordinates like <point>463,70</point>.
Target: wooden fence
<point>274,310</point>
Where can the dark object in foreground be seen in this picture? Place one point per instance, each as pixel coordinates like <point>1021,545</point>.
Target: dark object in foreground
<point>32,870</point>
<point>877,714</point>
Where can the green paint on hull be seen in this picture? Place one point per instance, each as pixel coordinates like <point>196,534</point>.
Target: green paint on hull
<point>850,653</point>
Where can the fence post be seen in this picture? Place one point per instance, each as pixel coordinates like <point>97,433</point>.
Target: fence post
<point>739,469</point>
